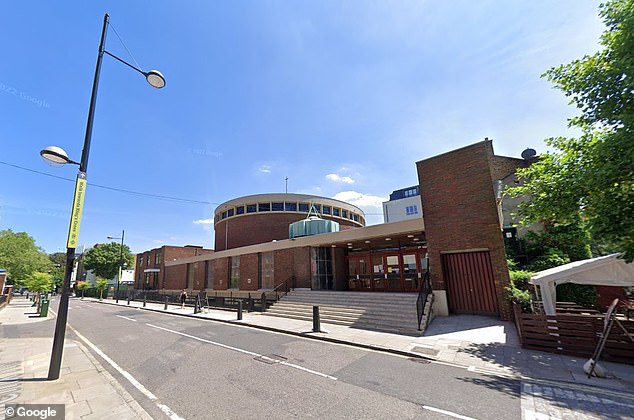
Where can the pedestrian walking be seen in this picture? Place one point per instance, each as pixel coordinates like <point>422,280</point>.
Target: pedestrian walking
<point>183,298</point>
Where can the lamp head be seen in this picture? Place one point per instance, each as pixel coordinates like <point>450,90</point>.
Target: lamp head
<point>155,79</point>
<point>56,155</point>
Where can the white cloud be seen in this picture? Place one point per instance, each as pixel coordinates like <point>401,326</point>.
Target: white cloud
<point>209,221</point>
<point>265,169</point>
<point>338,178</point>
<point>372,205</point>
<point>359,199</point>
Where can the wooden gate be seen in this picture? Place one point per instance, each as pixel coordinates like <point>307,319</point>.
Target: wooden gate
<point>470,285</point>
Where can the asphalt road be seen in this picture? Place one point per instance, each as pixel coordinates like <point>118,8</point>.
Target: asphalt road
<point>204,369</point>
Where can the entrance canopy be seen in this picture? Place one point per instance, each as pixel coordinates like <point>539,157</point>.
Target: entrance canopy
<point>601,271</point>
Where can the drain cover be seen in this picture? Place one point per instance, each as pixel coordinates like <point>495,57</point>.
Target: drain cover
<point>421,361</point>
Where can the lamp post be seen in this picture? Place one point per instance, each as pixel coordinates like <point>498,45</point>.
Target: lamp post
<point>120,261</point>
<point>58,156</point>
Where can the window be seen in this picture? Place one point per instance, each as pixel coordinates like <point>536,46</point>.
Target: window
<point>224,215</point>
<point>240,210</point>
<point>326,210</point>
<point>264,207</point>
<point>303,207</point>
<point>229,212</point>
<point>141,261</point>
<point>335,212</point>
<point>234,279</point>
<point>411,210</point>
<point>356,217</point>
<point>351,216</point>
<point>344,214</point>
<point>157,257</point>
<point>252,208</point>
<point>277,206</point>
<point>267,270</point>
<point>317,207</point>
<point>321,269</point>
<point>290,206</point>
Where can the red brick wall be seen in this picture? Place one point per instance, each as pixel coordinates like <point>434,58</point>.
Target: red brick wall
<point>176,277</point>
<point>257,228</point>
<point>606,294</point>
<point>168,253</point>
<point>249,272</point>
<point>221,273</point>
<point>460,211</point>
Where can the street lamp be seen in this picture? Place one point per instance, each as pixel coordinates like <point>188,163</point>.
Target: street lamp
<point>120,261</point>
<point>58,156</point>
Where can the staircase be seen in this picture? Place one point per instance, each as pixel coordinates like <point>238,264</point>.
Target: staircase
<point>384,312</point>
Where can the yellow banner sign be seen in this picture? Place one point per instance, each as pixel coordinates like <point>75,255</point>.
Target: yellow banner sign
<point>78,205</point>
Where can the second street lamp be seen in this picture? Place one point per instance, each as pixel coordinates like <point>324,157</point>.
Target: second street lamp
<point>120,262</point>
<point>58,156</point>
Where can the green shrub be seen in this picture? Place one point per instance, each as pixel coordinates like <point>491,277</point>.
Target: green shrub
<point>520,278</point>
<point>519,291</point>
<point>581,294</point>
<point>551,258</point>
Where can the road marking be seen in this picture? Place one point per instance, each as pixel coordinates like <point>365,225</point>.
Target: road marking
<point>165,409</point>
<point>250,353</point>
<point>125,317</point>
<point>447,413</point>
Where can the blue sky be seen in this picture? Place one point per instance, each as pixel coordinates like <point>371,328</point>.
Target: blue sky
<point>341,97</point>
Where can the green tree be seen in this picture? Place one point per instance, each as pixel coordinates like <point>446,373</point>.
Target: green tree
<point>101,284</point>
<point>39,282</point>
<point>58,266</point>
<point>82,286</point>
<point>103,259</point>
<point>21,257</point>
<point>592,176</point>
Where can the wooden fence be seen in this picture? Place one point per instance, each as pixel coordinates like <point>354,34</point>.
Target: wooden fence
<point>574,335</point>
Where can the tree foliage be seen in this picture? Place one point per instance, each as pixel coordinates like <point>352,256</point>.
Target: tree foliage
<point>592,176</point>
<point>101,285</point>
<point>58,266</point>
<point>20,256</point>
<point>39,282</point>
<point>103,259</point>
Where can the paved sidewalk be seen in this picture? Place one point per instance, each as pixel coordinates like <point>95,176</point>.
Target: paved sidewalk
<point>84,387</point>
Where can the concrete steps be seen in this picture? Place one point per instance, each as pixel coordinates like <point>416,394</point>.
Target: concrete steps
<point>385,312</point>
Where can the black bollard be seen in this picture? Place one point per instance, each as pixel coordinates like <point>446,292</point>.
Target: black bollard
<point>263,302</point>
<point>128,300</point>
<point>144,300</point>
<point>316,326</point>
<point>165,308</point>
<point>239,310</point>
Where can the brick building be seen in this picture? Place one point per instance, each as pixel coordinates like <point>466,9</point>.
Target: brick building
<point>260,218</point>
<point>461,231</point>
<point>150,265</point>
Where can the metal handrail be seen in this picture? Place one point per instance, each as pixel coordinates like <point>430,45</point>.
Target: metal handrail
<point>423,293</point>
<point>286,288</point>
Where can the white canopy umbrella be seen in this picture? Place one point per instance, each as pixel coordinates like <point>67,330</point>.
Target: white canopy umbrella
<point>602,271</point>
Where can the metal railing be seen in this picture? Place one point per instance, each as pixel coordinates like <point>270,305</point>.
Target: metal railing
<point>284,288</point>
<point>222,299</point>
<point>423,293</point>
